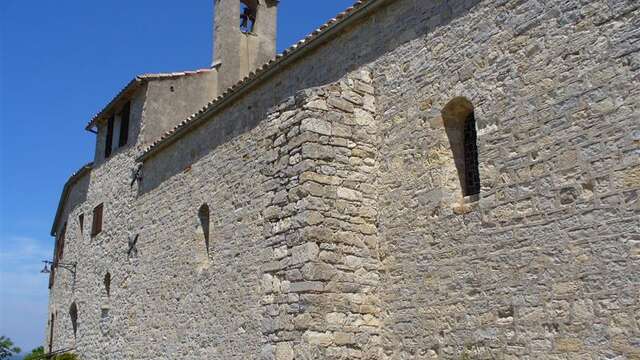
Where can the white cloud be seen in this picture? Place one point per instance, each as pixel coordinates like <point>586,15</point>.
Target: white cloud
<point>23,289</point>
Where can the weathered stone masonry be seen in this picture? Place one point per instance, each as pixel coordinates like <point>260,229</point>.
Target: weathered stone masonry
<point>337,228</point>
<point>320,285</point>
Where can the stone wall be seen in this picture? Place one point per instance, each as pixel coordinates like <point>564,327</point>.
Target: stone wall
<point>61,280</point>
<point>171,100</point>
<point>332,189</point>
<point>546,265</point>
<point>101,318</point>
<point>321,281</point>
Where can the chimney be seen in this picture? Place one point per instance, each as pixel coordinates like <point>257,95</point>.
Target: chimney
<point>244,38</point>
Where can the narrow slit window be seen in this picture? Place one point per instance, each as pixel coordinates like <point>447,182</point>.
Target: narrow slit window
<point>124,125</point>
<point>107,284</point>
<point>81,223</point>
<point>204,217</point>
<point>109,140</point>
<point>460,125</point>
<point>73,314</point>
<point>472,173</point>
<point>96,227</point>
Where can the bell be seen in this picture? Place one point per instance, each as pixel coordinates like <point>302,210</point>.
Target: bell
<point>46,269</point>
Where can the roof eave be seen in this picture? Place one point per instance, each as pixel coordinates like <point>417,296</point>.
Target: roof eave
<point>133,86</point>
<point>123,94</point>
<point>65,192</point>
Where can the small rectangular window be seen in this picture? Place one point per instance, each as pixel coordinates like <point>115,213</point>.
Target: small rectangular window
<point>124,125</point>
<point>96,227</point>
<point>109,140</point>
<point>81,223</point>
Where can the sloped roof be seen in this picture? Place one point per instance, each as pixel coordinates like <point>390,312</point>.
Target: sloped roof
<point>256,76</point>
<point>134,85</point>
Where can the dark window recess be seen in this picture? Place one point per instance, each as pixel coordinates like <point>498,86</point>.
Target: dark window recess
<point>460,125</point>
<point>52,276</point>
<point>60,248</point>
<point>81,223</point>
<point>107,283</point>
<point>96,227</point>
<point>73,313</point>
<point>472,174</point>
<point>124,125</point>
<point>203,215</point>
<point>52,323</point>
<point>109,140</point>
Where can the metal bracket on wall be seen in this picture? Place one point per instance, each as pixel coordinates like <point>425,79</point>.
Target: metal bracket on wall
<point>49,265</point>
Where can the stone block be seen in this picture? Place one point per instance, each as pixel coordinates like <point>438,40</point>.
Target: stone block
<point>341,104</point>
<point>363,118</point>
<point>306,286</point>
<point>319,104</point>
<point>321,179</point>
<point>348,194</point>
<point>316,125</point>
<point>284,351</point>
<point>317,151</point>
<point>317,338</point>
<point>318,271</point>
<point>304,253</point>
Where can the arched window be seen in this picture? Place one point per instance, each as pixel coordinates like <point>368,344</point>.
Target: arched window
<point>460,124</point>
<point>107,283</point>
<point>203,216</point>
<point>73,313</point>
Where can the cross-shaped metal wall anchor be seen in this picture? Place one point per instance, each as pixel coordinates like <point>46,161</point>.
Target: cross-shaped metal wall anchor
<point>133,247</point>
<point>136,174</point>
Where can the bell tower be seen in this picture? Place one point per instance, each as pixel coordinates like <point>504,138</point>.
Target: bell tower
<point>244,38</point>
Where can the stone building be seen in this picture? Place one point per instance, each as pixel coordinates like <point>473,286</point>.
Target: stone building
<point>416,179</point>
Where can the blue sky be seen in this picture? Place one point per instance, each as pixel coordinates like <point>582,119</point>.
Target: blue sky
<point>60,62</point>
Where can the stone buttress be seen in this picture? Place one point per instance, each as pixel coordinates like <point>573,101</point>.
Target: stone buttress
<point>320,285</point>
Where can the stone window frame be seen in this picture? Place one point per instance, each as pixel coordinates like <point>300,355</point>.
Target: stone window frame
<point>459,118</point>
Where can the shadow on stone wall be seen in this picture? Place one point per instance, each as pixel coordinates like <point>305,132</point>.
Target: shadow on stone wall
<point>393,24</point>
